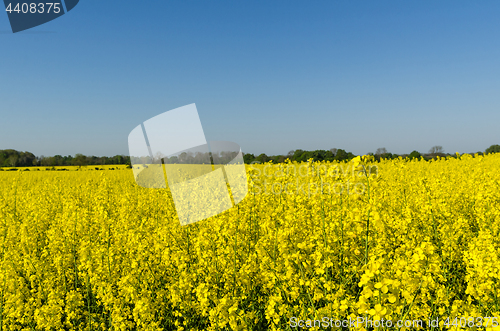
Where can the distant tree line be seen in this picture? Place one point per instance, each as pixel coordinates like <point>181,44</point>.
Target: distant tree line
<point>13,158</point>
<point>222,157</point>
<point>492,149</point>
<point>300,155</point>
<point>333,154</point>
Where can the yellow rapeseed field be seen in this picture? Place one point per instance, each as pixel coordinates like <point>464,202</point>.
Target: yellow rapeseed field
<point>314,242</point>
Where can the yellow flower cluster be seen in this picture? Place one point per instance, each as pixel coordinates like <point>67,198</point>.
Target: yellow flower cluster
<point>395,240</point>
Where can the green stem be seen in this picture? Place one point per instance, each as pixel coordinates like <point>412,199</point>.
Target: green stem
<point>368,218</point>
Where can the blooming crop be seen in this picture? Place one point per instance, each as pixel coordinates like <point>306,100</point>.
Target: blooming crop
<point>399,239</point>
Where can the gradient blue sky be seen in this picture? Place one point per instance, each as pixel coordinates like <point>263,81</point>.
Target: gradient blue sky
<point>270,75</point>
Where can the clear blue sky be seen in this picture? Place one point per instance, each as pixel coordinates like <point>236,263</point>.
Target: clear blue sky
<point>270,75</point>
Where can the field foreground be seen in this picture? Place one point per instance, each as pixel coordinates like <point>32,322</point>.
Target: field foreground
<point>396,240</point>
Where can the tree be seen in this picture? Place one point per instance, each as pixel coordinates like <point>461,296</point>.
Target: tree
<point>13,160</point>
<point>26,159</point>
<point>381,151</point>
<point>279,158</point>
<point>297,155</point>
<point>58,160</point>
<point>183,158</point>
<point>436,150</point>
<point>492,149</point>
<point>341,155</point>
<point>248,158</point>
<point>262,158</point>
<point>319,155</point>
<point>414,155</point>
<point>329,155</point>
<point>80,160</point>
